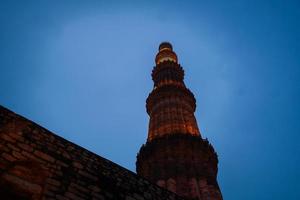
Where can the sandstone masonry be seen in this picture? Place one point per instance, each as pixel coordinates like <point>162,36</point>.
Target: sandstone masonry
<point>37,164</point>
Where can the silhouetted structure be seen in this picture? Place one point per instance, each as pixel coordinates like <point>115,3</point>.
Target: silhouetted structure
<point>175,156</point>
<point>36,164</point>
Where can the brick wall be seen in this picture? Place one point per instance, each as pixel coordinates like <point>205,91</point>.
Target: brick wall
<point>37,164</point>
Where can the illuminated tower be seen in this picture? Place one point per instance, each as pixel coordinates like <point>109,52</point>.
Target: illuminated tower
<point>175,156</point>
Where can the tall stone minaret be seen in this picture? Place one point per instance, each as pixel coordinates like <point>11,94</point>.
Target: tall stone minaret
<point>175,156</point>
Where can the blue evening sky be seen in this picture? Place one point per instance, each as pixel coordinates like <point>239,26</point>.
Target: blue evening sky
<point>82,70</point>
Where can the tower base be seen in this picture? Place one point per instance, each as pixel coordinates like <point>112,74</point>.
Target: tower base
<point>184,164</point>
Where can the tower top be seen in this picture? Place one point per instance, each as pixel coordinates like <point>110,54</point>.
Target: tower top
<point>165,53</point>
<point>165,45</point>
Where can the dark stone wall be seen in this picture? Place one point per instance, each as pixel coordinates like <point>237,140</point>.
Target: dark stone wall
<point>37,164</point>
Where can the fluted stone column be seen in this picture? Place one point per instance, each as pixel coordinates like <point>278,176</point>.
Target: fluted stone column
<point>175,156</point>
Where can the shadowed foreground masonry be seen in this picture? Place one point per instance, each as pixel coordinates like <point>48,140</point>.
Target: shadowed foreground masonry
<point>36,163</point>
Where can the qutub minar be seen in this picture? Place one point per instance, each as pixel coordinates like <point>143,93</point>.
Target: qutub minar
<point>175,156</point>
<point>174,164</point>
